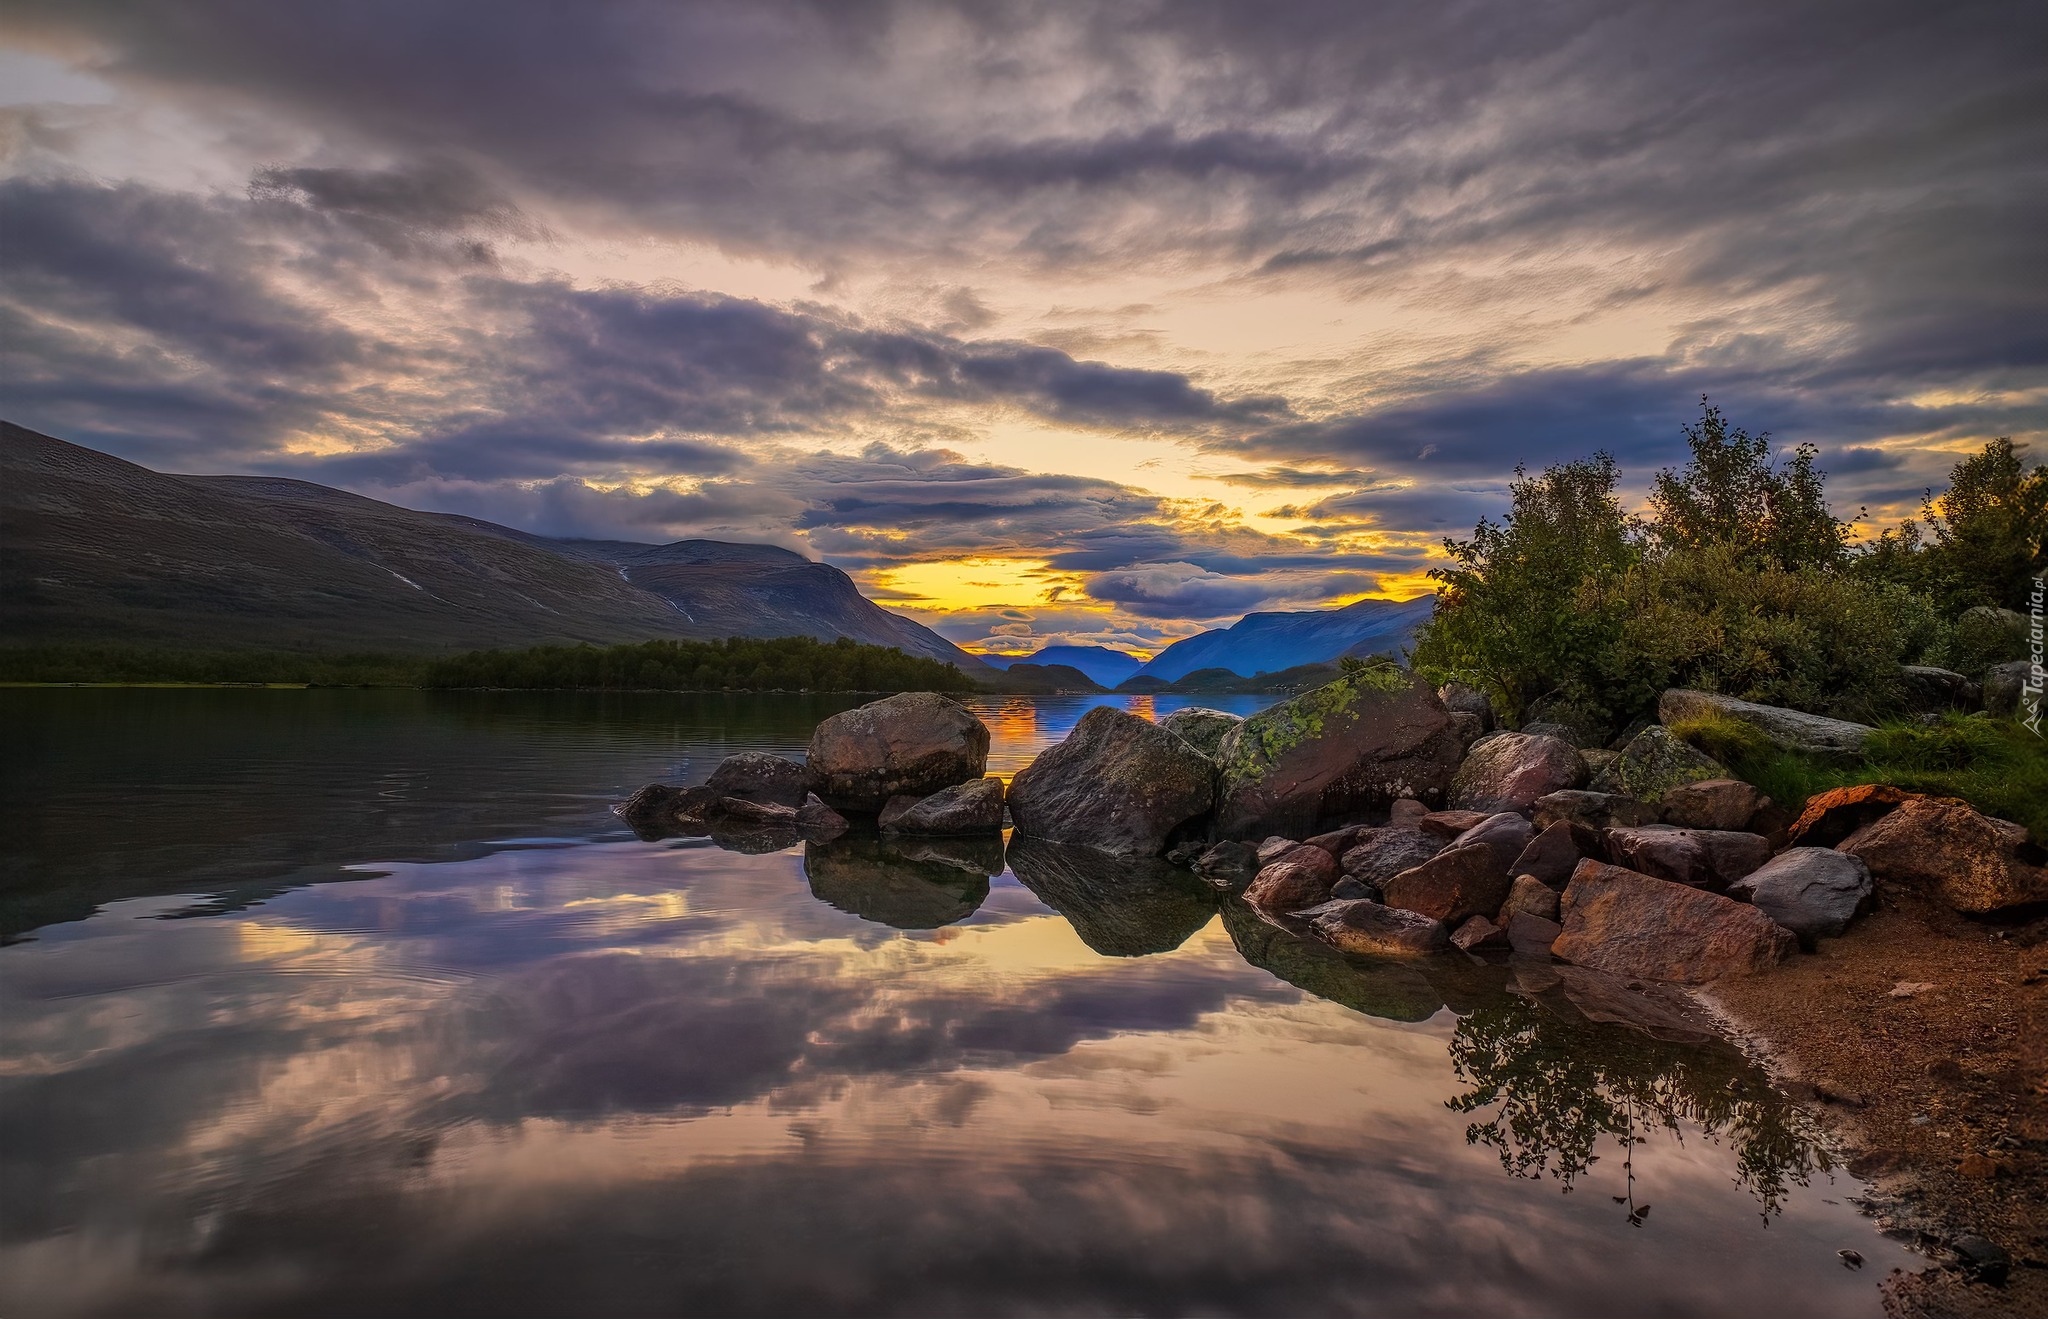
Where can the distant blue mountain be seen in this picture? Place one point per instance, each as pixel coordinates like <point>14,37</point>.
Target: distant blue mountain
<point>1267,643</point>
<point>1101,664</point>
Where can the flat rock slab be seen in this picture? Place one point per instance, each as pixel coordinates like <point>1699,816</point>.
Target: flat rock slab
<point>1380,854</point>
<point>1633,925</point>
<point>1367,928</point>
<point>1788,730</point>
<point>1593,810</point>
<point>1812,891</point>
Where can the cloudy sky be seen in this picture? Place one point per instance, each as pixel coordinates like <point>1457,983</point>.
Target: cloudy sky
<point>1047,321</point>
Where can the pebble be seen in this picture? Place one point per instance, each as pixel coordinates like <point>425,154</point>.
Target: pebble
<point>1909,988</point>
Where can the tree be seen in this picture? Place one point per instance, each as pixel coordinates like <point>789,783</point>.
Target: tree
<point>1989,531</point>
<point>1732,493</point>
<point>1508,616</point>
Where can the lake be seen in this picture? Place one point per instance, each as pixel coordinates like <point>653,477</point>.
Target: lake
<point>362,1002</point>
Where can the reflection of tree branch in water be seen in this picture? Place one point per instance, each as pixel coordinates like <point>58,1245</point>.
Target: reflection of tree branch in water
<point>1555,1087</point>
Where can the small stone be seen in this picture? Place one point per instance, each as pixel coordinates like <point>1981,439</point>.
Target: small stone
<point>759,777</point>
<point>1530,895</point>
<point>1829,817</point>
<point>1380,854</point>
<point>819,823</point>
<point>1653,763</point>
<point>1480,935</point>
<point>1406,811</point>
<point>1301,878</point>
<point>756,814</point>
<point>1981,1167</point>
<point>1348,888</point>
<point>1228,865</point>
<point>1512,770</point>
<point>1983,1260</point>
<point>895,809</point>
<point>1698,858</point>
<point>974,807</point>
<point>1910,988</point>
<point>1850,1259</point>
<point>1338,841</point>
<point>1461,698</point>
<point>1593,810</point>
<point>1271,849</point>
<point>1449,824</point>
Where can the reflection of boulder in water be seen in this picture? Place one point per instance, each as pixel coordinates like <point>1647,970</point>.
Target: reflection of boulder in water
<point>1394,991</point>
<point>1120,906</point>
<point>751,840</point>
<point>869,878</point>
<point>1548,1085</point>
<point>976,856</point>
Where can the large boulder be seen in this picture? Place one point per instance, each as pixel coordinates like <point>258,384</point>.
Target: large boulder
<point>2006,688</point>
<point>1594,810</point>
<point>1788,730</point>
<point>1509,772</point>
<point>1653,763</point>
<point>1938,845</point>
<point>1332,755</point>
<point>1831,816</point>
<point>1632,925</point>
<point>910,744</point>
<point>975,807</point>
<point>1929,690</point>
<point>1381,854</point>
<point>1367,928</point>
<point>1203,729</point>
<point>1119,784</point>
<point>1712,804</point>
<point>1698,858</point>
<point>757,776</point>
<point>1469,878</point>
<point>1812,891</point>
<point>1301,878</point>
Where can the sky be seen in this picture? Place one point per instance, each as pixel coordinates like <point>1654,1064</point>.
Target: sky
<point>1062,322</point>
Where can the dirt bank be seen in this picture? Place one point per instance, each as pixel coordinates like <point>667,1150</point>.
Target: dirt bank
<point>1922,1040</point>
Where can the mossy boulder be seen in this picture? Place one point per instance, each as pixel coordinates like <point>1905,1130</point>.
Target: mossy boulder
<point>1119,784</point>
<point>1653,763</point>
<point>1333,756</point>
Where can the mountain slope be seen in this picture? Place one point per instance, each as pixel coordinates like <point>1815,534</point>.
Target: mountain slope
<point>97,550</point>
<point>1101,664</point>
<point>1266,643</point>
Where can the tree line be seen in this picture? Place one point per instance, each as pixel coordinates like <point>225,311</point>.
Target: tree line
<point>789,664</point>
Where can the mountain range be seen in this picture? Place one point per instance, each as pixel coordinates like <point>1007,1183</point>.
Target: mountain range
<point>95,550</point>
<point>1102,665</point>
<point>1268,643</point>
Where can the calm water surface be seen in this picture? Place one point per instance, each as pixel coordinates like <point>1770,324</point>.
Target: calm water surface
<point>347,1003</point>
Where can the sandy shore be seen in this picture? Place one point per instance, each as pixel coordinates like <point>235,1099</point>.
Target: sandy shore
<point>1921,1038</point>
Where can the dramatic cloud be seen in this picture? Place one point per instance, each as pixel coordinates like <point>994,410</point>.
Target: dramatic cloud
<point>1061,286</point>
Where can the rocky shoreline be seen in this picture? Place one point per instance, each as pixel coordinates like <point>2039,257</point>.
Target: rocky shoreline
<point>1397,825</point>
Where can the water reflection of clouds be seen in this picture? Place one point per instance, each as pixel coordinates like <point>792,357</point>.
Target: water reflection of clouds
<point>631,1077</point>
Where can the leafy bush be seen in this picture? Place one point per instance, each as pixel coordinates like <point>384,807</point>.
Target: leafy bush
<point>1700,618</point>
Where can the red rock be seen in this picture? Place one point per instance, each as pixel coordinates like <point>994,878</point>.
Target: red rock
<point>1301,878</point>
<point>1532,895</point>
<point>1633,925</point>
<point>1831,816</point>
<point>1408,812</point>
<point>1367,928</point>
<point>1532,936</point>
<point>1940,846</point>
<point>1454,884</point>
<point>1450,824</point>
<point>1712,804</point>
<point>1509,771</point>
<point>1700,858</point>
<point>1552,854</point>
<point>1480,935</point>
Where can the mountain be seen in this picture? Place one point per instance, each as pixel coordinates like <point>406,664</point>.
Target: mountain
<point>1264,643</point>
<point>1101,664</point>
<point>1028,678</point>
<point>97,550</point>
